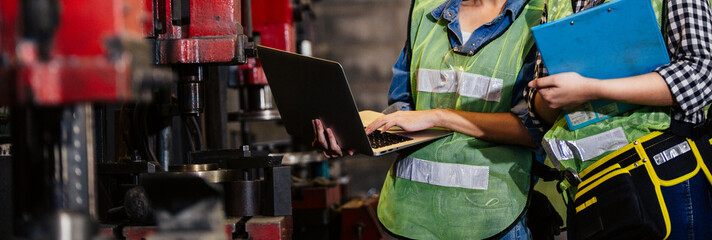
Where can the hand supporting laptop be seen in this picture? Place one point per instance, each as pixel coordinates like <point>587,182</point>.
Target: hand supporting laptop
<point>410,121</point>
<point>326,141</point>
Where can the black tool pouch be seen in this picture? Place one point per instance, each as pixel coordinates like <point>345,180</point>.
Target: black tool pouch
<point>620,197</point>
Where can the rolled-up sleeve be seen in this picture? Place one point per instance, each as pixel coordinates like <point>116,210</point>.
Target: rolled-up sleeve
<point>519,100</point>
<point>399,94</point>
<point>689,73</point>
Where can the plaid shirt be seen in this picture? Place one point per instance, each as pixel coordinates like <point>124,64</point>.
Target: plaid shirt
<point>689,73</point>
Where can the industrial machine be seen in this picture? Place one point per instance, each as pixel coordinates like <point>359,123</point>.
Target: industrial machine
<point>114,125</point>
<point>113,119</point>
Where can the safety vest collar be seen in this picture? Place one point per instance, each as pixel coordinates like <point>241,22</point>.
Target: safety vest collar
<point>451,8</point>
<point>449,12</point>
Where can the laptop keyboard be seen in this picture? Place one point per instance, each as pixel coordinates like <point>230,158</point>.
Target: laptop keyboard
<point>379,139</point>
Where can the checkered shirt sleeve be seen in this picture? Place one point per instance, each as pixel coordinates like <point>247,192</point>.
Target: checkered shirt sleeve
<point>689,73</point>
<point>539,71</point>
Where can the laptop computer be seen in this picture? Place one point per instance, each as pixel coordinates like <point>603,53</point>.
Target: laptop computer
<point>306,88</point>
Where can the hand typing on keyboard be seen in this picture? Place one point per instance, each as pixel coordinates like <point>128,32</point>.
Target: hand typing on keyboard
<point>380,139</point>
<point>410,121</point>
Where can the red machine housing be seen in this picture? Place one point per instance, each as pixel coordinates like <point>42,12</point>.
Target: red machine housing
<point>204,31</point>
<point>89,53</point>
<point>8,38</point>
<point>274,22</point>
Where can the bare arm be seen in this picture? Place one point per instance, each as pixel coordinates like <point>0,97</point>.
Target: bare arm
<point>504,128</point>
<point>568,90</point>
<point>646,89</point>
<point>547,115</point>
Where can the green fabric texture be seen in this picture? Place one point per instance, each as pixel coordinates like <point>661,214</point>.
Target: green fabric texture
<point>557,9</point>
<point>424,211</point>
<point>635,123</point>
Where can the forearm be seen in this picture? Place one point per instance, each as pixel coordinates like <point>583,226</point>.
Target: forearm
<point>504,128</point>
<point>545,114</point>
<point>646,89</point>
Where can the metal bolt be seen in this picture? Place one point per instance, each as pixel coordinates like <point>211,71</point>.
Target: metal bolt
<point>645,159</point>
<point>473,44</point>
<point>635,143</point>
<point>636,164</point>
<point>572,22</point>
<point>78,171</point>
<point>609,10</point>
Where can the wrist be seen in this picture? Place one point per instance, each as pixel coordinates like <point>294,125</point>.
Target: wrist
<point>438,116</point>
<point>595,89</point>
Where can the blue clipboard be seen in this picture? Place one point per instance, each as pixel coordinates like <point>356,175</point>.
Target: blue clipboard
<point>617,39</point>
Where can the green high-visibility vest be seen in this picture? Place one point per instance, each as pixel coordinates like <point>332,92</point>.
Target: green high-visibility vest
<point>461,187</point>
<point>580,148</point>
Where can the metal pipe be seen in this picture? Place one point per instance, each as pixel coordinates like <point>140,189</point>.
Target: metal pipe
<point>165,139</point>
<point>247,17</point>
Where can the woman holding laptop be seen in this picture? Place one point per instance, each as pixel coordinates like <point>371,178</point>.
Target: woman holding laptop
<point>463,68</point>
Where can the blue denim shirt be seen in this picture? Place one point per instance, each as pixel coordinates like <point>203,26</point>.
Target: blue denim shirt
<point>399,94</point>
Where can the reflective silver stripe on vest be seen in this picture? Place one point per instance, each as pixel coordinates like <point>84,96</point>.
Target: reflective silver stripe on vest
<point>586,148</point>
<point>470,84</point>
<point>443,174</point>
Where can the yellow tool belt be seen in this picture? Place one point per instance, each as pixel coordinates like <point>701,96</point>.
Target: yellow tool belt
<point>620,195</point>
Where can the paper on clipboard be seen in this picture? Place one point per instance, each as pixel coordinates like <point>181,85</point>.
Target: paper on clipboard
<point>617,39</point>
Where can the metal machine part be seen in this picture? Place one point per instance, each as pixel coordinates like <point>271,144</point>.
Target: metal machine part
<point>186,207</point>
<point>70,225</point>
<point>270,24</point>
<point>242,198</point>
<point>212,176</point>
<point>5,149</point>
<point>52,155</point>
<point>137,206</point>
<point>272,228</point>
<point>189,33</point>
<point>190,90</point>
<point>262,185</point>
<point>257,98</point>
<point>359,220</point>
<point>6,206</point>
<point>192,167</point>
<point>77,159</point>
<point>53,57</point>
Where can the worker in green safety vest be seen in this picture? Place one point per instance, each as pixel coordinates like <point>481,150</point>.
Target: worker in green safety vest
<point>464,67</point>
<point>674,93</point>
